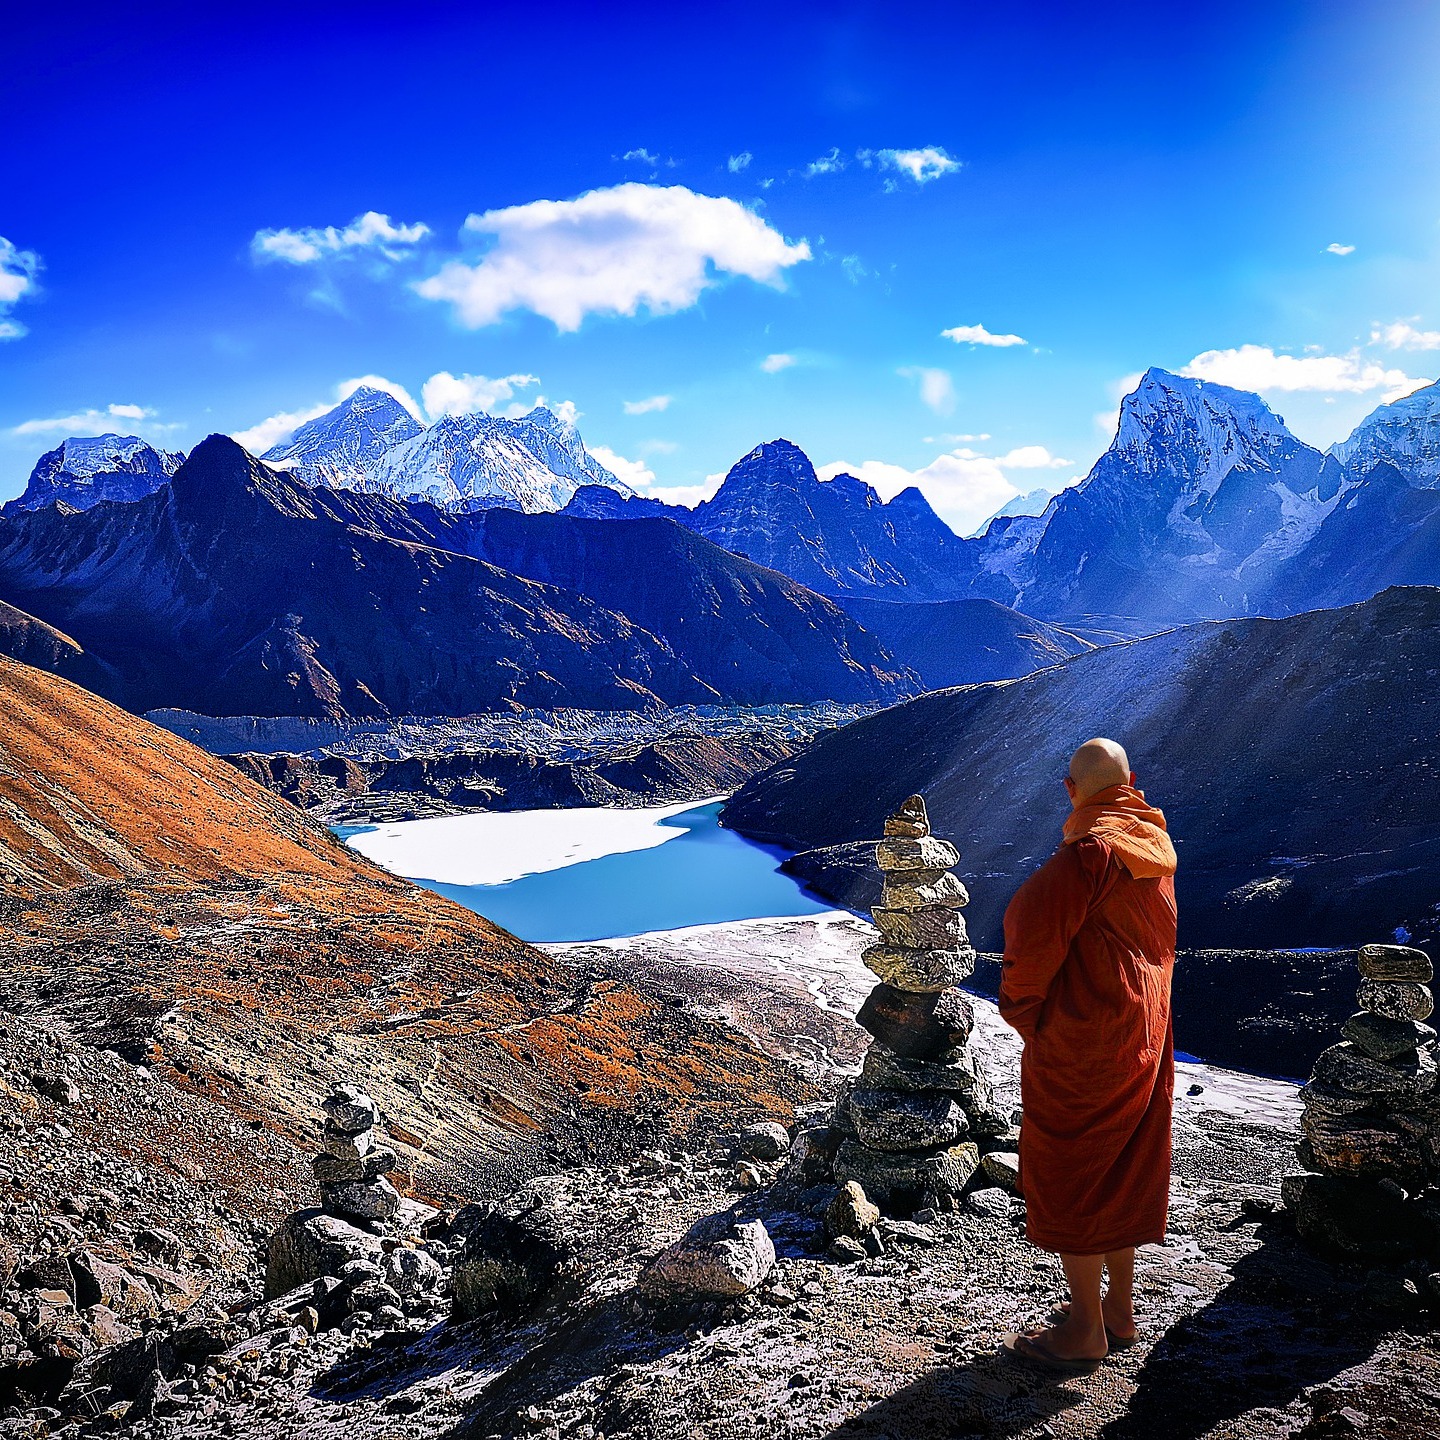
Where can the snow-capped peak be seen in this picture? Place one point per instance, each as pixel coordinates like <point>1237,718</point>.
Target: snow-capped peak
<point>83,470</point>
<point>1405,433</point>
<point>1207,428</point>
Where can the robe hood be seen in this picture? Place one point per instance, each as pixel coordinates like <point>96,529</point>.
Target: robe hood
<point>1134,830</point>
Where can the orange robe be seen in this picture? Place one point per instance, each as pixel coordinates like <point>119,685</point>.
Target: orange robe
<point>1089,952</point>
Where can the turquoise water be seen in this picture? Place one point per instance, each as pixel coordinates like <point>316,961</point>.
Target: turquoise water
<point>704,876</point>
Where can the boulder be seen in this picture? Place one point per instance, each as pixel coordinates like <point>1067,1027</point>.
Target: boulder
<point>851,1212</point>
<point>1387,1040</point>
<point>920,889</point>
<point>1002,1168</point>
<point>1357,1218</point>
<point>1362,1147</point>
<point>719,1256</point>
<point>1325,1100</point>
<point>892,1178</point>
<point>367,1200</point>
<point>100,1282</point>
<point>919,970</point>
<point>412,1273</point>
<point>917,1025</point>
<point>1346,1067</point>
<point>1396,999</point>
<point>900,1120</point>
<point>952,1072</point>
<point>768,1140</point>
<point>310,1244</point>
<point>812,1156</point>
<point>350,1110</point>
<point>909,822</point>
<point>1395,962</point>
<point>896,853</point>
<point>333,1169</point>
<point>937,928</point>
<point>521,1254</point>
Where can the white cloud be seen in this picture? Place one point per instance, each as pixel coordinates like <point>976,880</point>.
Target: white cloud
<point>646,407</point>
<point>1259,368</point>
<point>826,164</point>
<point>921,166</point>
<point>1401,335</point>
<point>447,394</point>
<point>773,364</point>
<point>610,252</point>
<point>87,422</point>
<point>641,478</point>
<point>370,230</point>
<point>1337,249</point>
<point>937,390</point>
<point>965,487</point>
<point>17,279</point>
<point>642,156</point>
<point>979,335</point>
<point>736,163</point>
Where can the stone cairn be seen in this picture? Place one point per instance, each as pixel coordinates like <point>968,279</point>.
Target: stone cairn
<point>913,1125</point>
<point>1371,1122</point>
<point>350,1169</point>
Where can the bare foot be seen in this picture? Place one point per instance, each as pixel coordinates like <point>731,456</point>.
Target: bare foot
<point>1071,1341</point>
<point>1120,1324</point>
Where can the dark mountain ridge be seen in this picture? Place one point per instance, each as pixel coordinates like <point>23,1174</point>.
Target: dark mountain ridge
<point>1295,759</point>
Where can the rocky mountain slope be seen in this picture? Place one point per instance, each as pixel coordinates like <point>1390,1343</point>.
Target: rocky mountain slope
<point>371,442</point>
<point>962,642</point>
<point>747,632</point>
<point>84,470</point>
<point>1304,815</point>
<point>238,590</point>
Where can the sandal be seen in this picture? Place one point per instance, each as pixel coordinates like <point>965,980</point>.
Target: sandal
<point>1029,1351</point>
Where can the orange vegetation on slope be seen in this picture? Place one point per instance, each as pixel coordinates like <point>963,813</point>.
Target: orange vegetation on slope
<point>157,902</point>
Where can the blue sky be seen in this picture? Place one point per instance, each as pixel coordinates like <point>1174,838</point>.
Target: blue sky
<point>1252,192</point>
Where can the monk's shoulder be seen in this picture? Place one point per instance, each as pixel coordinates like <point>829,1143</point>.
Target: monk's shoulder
<point>1089,857</point>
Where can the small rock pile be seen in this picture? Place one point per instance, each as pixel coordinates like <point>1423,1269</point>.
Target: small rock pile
<point>350,1169</point>
<point>913,1125</point>
<point>1371,1122</point>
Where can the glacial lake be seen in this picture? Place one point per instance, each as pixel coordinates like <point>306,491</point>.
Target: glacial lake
<point>591,874</point>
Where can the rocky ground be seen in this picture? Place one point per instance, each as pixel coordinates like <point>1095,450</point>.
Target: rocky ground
<point>1244,1332</point>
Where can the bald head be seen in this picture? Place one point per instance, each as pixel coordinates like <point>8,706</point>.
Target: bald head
<point>1095,766</point>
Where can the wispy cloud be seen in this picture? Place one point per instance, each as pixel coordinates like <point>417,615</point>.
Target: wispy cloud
<point>922,166</point>
<point>88,422</point>
<point>610,252</point>
<point>447,394</point>
<point>827,164</point>
<point>736,163</point>
<point>641,156</point>
<point>646,407</point>
<point>1259,368</point>
<point>1338,249</point>
<point>773,364</point>
<point>368,232</point>
<point>1402,335</point>
<point>18,269</point>
<point>937,389</point>
<point>979,335</point>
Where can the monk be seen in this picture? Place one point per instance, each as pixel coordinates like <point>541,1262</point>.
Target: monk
<point>1089,951</point>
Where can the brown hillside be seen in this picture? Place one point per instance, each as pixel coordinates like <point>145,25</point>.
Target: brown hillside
<point>158,903</point>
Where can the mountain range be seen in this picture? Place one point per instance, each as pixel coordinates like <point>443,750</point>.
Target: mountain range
<point>237,589</point>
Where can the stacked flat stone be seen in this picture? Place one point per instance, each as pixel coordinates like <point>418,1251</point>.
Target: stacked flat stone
<point>350,1169</point>
<point>916,1119</point>
<point>1371,1121</point>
